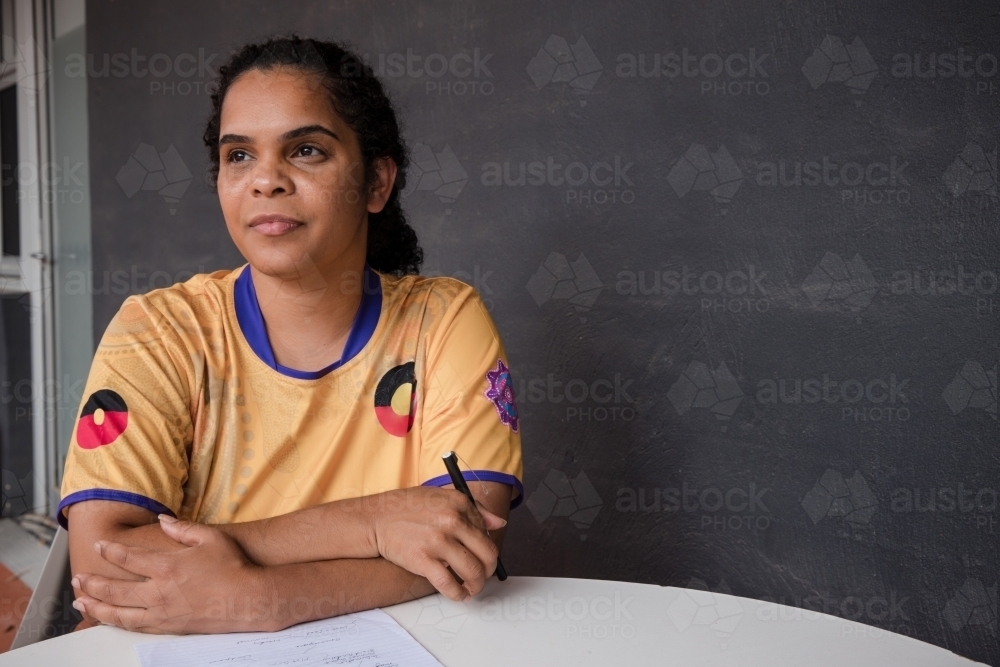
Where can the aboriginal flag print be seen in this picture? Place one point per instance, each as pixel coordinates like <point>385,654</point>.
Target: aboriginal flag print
<point>396,399</point>
<point>103,419</point>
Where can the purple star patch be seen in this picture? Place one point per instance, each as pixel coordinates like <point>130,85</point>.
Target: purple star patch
<point>501,392</point>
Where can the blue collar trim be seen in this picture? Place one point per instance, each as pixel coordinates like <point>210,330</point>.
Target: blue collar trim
<point>251,322</point>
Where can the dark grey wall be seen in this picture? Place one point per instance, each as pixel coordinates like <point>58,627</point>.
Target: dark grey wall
<point>697,326</point>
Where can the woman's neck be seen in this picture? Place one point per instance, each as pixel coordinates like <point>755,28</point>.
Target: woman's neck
<point>309,317</point>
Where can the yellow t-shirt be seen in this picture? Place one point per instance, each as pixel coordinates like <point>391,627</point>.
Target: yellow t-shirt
<point>186,412</point>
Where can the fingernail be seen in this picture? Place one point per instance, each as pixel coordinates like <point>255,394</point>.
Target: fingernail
<point>78,605</point>
<point>166,518</point>
<point>75,582</point>
<point>504,523</point>
<point>97,545</point>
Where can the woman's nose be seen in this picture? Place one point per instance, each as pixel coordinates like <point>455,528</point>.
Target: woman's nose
<point>271,177</point>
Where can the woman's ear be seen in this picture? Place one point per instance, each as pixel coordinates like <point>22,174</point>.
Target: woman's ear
<point>385,179</point>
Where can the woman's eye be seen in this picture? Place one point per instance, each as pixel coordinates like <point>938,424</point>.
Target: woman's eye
<point>236,156</point>
<point>309,151</point>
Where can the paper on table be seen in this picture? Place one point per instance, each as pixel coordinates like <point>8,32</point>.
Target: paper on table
<point>365,638</point>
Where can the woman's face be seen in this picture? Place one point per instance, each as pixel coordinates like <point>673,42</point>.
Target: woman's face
<point>291,177</point>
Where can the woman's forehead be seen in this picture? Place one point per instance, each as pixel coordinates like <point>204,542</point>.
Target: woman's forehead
<point>276,100</point>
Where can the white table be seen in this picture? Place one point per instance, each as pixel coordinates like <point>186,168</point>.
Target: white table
<point>548,621</point>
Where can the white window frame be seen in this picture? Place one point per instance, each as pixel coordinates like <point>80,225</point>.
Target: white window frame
<point>26,64</point>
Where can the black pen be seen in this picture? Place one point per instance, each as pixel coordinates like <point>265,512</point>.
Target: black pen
<point>451,463</point>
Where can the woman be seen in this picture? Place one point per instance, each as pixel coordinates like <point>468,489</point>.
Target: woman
<point>262,447</point>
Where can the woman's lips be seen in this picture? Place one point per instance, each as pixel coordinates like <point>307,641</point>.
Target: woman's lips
<point>274,226</point>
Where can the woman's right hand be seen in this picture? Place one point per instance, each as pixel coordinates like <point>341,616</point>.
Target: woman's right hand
<point>427,530</point>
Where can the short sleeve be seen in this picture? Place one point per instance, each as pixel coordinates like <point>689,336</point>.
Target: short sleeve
<point>130,440</point>
<point>470,404</point>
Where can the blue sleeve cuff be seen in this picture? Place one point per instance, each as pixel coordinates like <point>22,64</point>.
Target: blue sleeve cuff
<point>484,476</point>
<point>109,494</point>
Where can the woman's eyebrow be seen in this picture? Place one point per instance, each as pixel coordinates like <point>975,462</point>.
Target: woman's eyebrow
<point>235,139</point>
<point>308,129</point>
<point>291,134</point>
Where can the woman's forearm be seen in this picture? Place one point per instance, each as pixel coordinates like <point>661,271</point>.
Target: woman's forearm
<point>346,528</point>
<point>340,529</point>
<point>334,530</point>
<point>310,591</point>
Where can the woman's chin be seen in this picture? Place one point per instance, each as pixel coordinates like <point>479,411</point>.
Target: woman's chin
<point>288,262</point>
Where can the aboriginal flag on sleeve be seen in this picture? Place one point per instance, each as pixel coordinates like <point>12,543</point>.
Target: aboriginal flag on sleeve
<point>103,418</point>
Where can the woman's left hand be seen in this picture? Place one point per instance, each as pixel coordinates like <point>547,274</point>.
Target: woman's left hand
<point>209,587</point>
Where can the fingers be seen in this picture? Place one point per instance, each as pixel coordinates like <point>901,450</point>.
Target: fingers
<point>153,620</point>
<point>472,554</point>
<point>467,566</point>
<point>129,618</point>
<point>186,532</point>
<point>132,559</point>
<point>482,549</point>
<point>484,519</point>
<point>472,537</point>
<point>441,578</point>
<point>492,521</point>
<point>119,592</point>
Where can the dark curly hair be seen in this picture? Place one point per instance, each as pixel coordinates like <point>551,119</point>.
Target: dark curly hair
<point>361,102</point>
